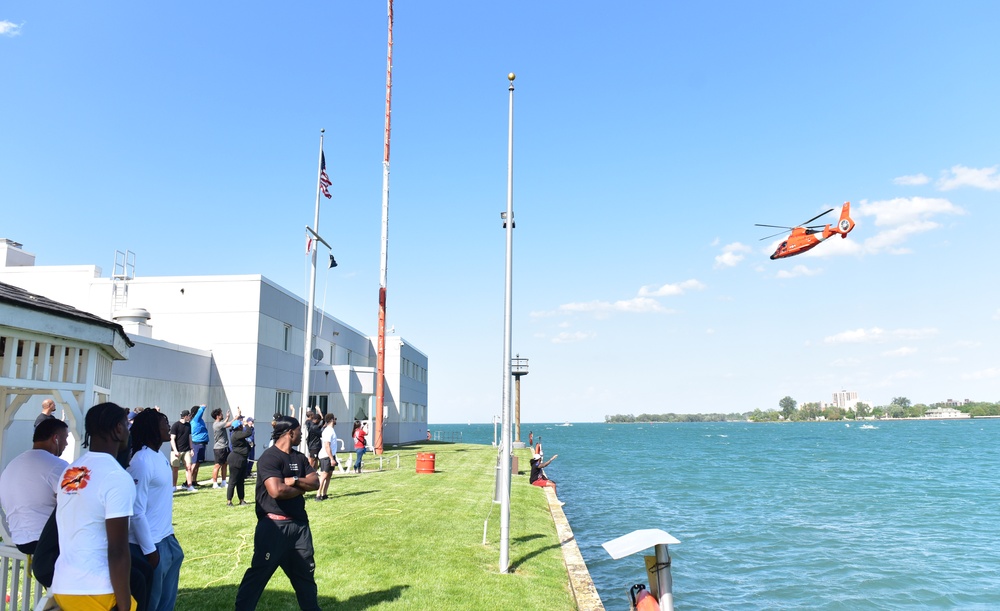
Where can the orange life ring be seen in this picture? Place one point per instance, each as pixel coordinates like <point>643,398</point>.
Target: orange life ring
<point>642,600</point>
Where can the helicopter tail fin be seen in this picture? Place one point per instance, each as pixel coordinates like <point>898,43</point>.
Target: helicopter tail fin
<point>846,223</point>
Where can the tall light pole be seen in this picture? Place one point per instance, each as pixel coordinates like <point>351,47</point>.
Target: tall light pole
<point>505,407</point>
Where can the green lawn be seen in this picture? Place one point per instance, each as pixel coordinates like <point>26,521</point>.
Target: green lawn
<point>389,540</point>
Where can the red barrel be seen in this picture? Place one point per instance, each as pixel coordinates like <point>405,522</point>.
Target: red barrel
<point>425,462</point>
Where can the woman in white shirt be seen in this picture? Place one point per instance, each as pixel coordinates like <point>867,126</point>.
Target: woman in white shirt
<point>151,531</point>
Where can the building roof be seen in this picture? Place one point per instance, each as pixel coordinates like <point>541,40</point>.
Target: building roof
<point>17,296</point>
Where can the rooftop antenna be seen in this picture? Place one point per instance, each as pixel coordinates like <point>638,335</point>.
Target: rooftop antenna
<point>124,271</point>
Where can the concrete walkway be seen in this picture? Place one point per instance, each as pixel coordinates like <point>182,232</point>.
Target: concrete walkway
<point>580,583</point>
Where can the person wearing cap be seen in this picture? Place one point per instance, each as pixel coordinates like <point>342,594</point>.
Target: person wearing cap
<point>538,477</point>
<point>239,458</point>
<point>282,537</point>
<point>180,449</point>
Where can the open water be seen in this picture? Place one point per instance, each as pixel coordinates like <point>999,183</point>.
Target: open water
<point>821,515</point>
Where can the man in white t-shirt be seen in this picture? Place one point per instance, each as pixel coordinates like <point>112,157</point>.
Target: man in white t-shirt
<point>151,530</point>
<point>94,500</point>
<point>327,455</point>
<point>27,485</point>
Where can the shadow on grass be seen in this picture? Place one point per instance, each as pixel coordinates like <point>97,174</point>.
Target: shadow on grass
<point>358,493</point>
<point>517,563</point>
<point>529,538</point>
<point>224,597</point>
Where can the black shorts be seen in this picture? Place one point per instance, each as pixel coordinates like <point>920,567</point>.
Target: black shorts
<point>326,465</point>
<point>313,452</point>
<point>221,454</point>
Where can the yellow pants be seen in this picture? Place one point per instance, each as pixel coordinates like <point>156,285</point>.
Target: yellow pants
<point>87,602</point>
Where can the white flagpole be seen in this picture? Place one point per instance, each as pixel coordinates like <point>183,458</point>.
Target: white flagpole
<point>505,443</point>
<point>310,312</point>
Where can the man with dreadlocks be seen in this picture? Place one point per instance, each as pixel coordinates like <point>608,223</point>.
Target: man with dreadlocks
<point>151,532</point>
<point>93,504</point>
<point>282,537</point>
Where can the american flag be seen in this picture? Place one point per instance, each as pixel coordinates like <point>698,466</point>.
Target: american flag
<point>324,180</point>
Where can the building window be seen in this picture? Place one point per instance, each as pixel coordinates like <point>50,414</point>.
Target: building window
<point>321,400</point>
<point>281,401</point>
<point>288,338</point>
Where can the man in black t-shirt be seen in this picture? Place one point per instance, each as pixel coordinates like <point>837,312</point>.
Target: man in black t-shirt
<point>180,450</point>
<point>314,427</point>
<point>282,537</point>
<point>48,411</point>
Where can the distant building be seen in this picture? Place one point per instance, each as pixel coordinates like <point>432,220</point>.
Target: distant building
<point>943,413</point>
<point>228,341</point>
<point>845,399</point>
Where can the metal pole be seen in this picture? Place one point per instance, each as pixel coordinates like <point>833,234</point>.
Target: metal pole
<point>664,581</point>
<point>517,410</point>
<point>306,362</point>
<point>505,433</point>
<point>383,271</point>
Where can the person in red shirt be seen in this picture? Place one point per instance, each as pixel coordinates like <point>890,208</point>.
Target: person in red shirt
<point>359,434</point>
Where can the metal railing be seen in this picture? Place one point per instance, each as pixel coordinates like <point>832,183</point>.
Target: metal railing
<point>16,581</point>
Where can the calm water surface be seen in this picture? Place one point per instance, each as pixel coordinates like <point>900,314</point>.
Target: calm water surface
<point>788,516</point>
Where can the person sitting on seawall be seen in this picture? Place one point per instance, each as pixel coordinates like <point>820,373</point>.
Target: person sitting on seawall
<point>538,477</point>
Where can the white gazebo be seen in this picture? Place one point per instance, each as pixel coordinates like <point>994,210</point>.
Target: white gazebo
<point>51,350</point>
<point>54,350</point>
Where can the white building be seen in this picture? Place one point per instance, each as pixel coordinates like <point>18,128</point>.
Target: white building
<point>845,399</point>
<point>233,341</point>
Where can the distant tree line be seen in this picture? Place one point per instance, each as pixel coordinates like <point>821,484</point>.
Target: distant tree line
<point>790,410</point>
<point>676,418</point>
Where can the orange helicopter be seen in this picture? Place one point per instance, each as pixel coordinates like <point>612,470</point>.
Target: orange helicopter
<point>806,236</point>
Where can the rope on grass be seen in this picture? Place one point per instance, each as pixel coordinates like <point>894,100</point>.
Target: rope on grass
<point>244,544</point>
<point>370,510</point>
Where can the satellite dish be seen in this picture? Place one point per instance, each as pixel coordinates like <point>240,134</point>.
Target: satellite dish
<point>317,355</point>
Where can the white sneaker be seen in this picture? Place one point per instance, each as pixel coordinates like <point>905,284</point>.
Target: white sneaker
<point>191,489</point>
<point>178,488</point>
<point>217,485</point>
<point>223,484</point>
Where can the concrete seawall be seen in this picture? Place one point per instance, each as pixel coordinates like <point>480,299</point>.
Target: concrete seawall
<point>580,583</point>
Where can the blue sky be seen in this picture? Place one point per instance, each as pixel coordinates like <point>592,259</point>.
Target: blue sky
<point>649,138</point>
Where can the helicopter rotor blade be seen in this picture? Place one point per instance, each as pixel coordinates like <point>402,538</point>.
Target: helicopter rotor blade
<point>817,216</point>
<point>775,226</point>
<point>774,234</point>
